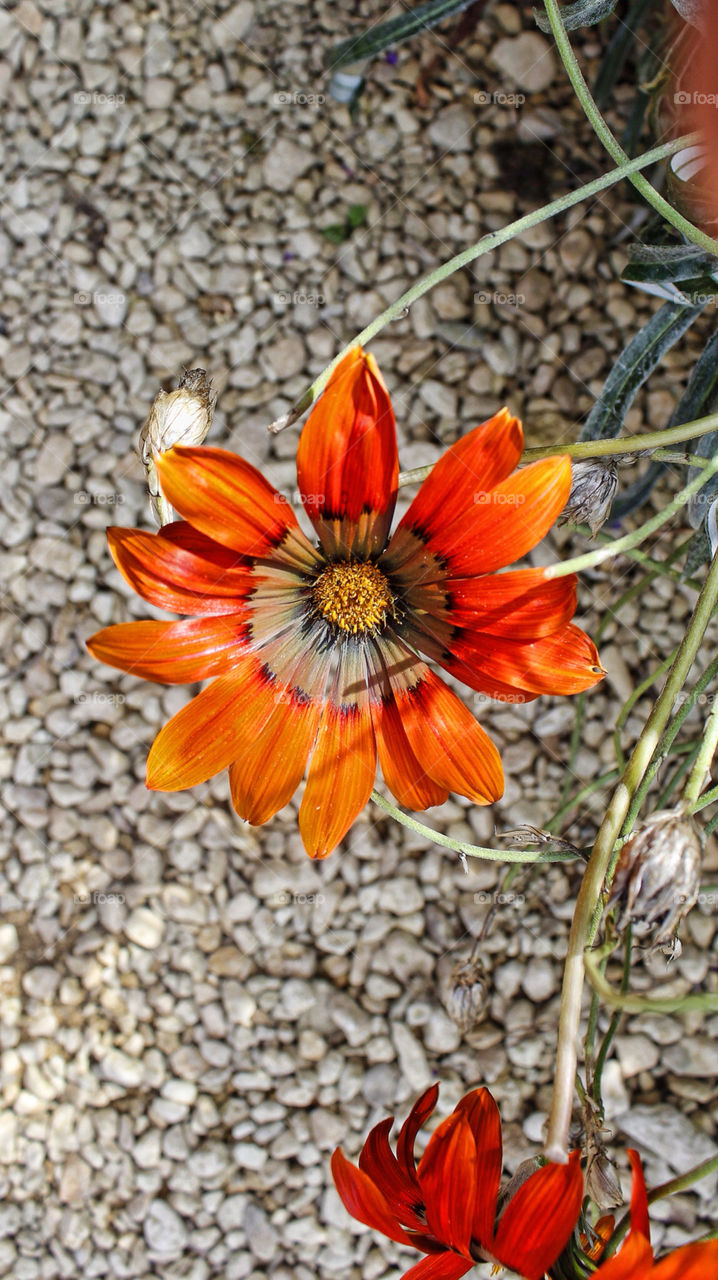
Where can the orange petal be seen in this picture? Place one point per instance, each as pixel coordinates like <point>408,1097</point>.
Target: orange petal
<point>520,605</point>
<point>539,1219</point>
<point>341,777</point>
<point>229,501</point>
<point>475,464</point>
<point>482,1115</point>
<point>172,652</point>
<point>514,517</point>
<point>363,1200</point>
<point>177,579</point>
<point>405,777</point>
<point>206,735</point>
<point>347,463</point>
<point>634,1261</point>
<point>563,663</point>
<point>450,744</point>
<point>447,1177</point>
<point>268,771</point>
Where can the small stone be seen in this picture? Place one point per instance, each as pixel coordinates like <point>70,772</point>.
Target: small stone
<point>261,1235</point>
<point>526,61</point>
<point>165,1232</point>
<point>41,983</point>
<point>119,1068</point>
<point>233,25</point>
<point>636,1053</point>
<point>401,896</point>
<point>412,1059</point>
<point>452,128</point>
<point>145,928</point>
<point>9,942</point>
<point>75,1181</point>
<point>285,163</point>
<point>110,306</point>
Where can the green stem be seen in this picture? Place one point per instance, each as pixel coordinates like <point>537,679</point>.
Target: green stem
<point>631,701</point>
<point>708,797</point>
<point>612,145</point>
<point>706,1001</point>
<point>485,245</point>
<point>471,850</point>
<point>615,1020</point>
<point>704,759</point>
<point>627,444</point>
<point>632,539</point>
<point>586,915</point>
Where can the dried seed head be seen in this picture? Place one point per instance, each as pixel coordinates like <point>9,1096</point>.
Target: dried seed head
<point>466,993</point>
<point>593,487</point>
<point>183,417</point>
<point>601,1181</point>
<point>658,874</point>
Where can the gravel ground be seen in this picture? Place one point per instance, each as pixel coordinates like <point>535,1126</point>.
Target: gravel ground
<point>194,1014</point>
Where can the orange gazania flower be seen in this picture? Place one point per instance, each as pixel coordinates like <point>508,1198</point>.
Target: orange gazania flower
<point>314,650</point>
<point>446,1206</point>
<point>635,1260</point>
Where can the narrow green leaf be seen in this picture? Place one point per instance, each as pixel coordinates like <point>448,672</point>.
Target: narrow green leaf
<point>336,233</point>
<point>583,13</point>
<point>366,45</point>
<point>645,350</point>
<point>619,47</point>
<point>357,215</point>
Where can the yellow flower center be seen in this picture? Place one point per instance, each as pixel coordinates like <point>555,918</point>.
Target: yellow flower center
<point>353,595</point>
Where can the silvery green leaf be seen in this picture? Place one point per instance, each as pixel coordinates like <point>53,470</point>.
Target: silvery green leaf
<point>370,42</point>
<point>637,360</point>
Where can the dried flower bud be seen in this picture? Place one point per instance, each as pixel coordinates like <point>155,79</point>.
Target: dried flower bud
<point>658,874</point>
<point>184,417</point>
<point>602,1182</point>
<point>466,993</point>
<point>593,487</point>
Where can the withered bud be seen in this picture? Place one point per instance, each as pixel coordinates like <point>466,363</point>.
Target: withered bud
<point>465,992</point>
<point>601,1181</point>
<point>658,874</point>
<point>183,417</point>
<point>593,487</point>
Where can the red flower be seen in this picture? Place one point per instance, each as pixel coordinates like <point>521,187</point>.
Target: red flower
<point>635,1260</point>
<point>314,649</point>
<point>447,1205</point>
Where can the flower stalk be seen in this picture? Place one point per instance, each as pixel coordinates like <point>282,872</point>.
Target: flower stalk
<point>588,905</point>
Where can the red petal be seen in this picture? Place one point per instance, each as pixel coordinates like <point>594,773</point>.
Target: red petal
<point>206,735</point>
<point>399,1187</point>
<point>347,463</point>
<point>447,1177</point>
<point>172,652</point>
<point>519,605</point>
<point>539,1219</point>
<point>230,501</point>
<point>697,1261</point>
<point>186,536</point>
<point>268,771</point>
<point>364,1201</point>
<point>563,663</point>
<point>450,744</point>
<point>415,1120</point>
<point>341,777</point>
<point>639,1199</point>
<point>439,1266</point>
<point>483,1118</point>
<point>476,463</point>
<point>176,579</point>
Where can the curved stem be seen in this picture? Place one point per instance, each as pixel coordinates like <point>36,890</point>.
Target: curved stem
<point>485,245</point>
<point>612,145</point>
<point>706,1001</point>
<point>471,850</point>
<point>586,915</point>
<point>704,759</point>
